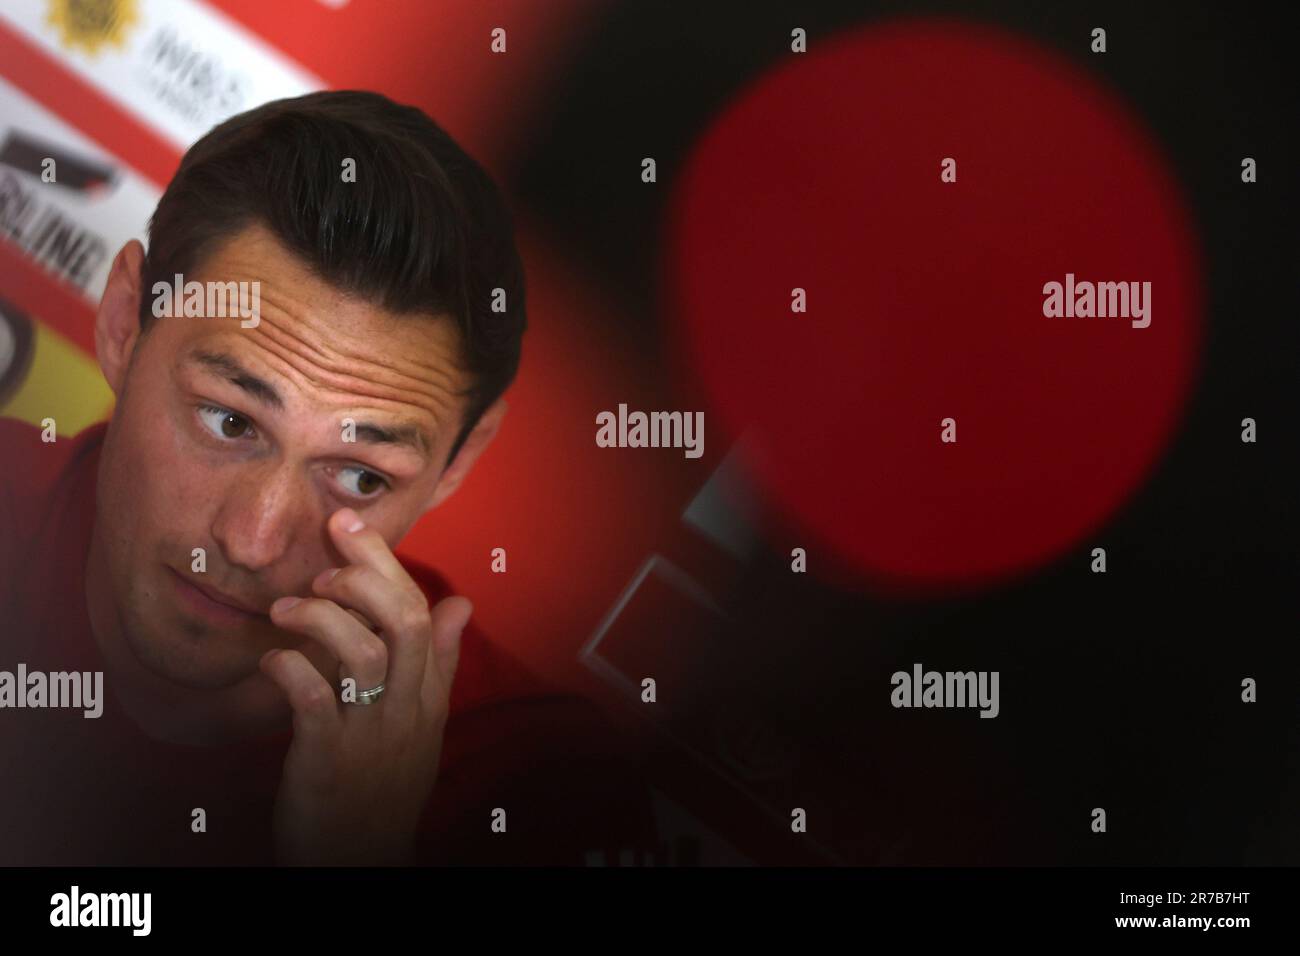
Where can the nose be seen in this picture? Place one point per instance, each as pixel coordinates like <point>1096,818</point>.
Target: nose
<point>256,524</point>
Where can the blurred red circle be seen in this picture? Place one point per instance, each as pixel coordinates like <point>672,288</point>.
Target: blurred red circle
<point>925,299</point>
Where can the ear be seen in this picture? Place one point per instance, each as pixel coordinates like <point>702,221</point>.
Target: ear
<point>475,443</point>
<point>117,324</point>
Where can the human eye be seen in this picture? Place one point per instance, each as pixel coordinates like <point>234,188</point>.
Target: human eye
<point>225,424</point>
<point>361,482</point>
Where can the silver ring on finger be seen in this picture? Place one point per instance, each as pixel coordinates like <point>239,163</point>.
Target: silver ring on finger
<point>366,697</point>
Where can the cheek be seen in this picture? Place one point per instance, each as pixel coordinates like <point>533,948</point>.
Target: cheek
<point>155,486</point>
<point>399,512</point>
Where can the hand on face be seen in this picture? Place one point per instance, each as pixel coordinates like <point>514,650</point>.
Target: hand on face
<point>357,776</point>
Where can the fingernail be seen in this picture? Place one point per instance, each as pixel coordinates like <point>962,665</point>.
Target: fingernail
<point>325,577</point>
<point>268,655</point>
<point>286,604</point>
<point>350,521</point>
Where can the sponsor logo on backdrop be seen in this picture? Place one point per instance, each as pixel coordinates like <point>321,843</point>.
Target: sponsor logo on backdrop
<point>16,337</point>
<point>191,82</point>
<point>21,151</point>
<point>179,67</point>
<point>90,25</point>
<point>63,200</point>
<point>47,234</point>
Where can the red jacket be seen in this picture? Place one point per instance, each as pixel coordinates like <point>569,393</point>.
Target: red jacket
<point>81,791</point>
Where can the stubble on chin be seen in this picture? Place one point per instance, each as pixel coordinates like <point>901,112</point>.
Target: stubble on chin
<point>186,652</point>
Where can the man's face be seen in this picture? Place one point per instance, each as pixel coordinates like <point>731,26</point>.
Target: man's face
<point>231,439</point>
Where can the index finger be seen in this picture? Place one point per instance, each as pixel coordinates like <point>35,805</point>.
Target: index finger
<point>361,544</point>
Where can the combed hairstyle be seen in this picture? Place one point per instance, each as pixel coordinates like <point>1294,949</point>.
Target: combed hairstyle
<point>423,229</point>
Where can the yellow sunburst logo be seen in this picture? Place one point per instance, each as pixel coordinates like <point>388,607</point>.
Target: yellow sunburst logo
<point>91,24</point>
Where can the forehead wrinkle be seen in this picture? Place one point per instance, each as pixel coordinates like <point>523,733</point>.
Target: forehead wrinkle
<point>323,366</point>
<point>435,369</point>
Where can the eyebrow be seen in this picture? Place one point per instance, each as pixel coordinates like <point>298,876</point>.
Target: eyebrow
<point>229,369</point>
<point>402,435</point>
<point>408,436</point>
